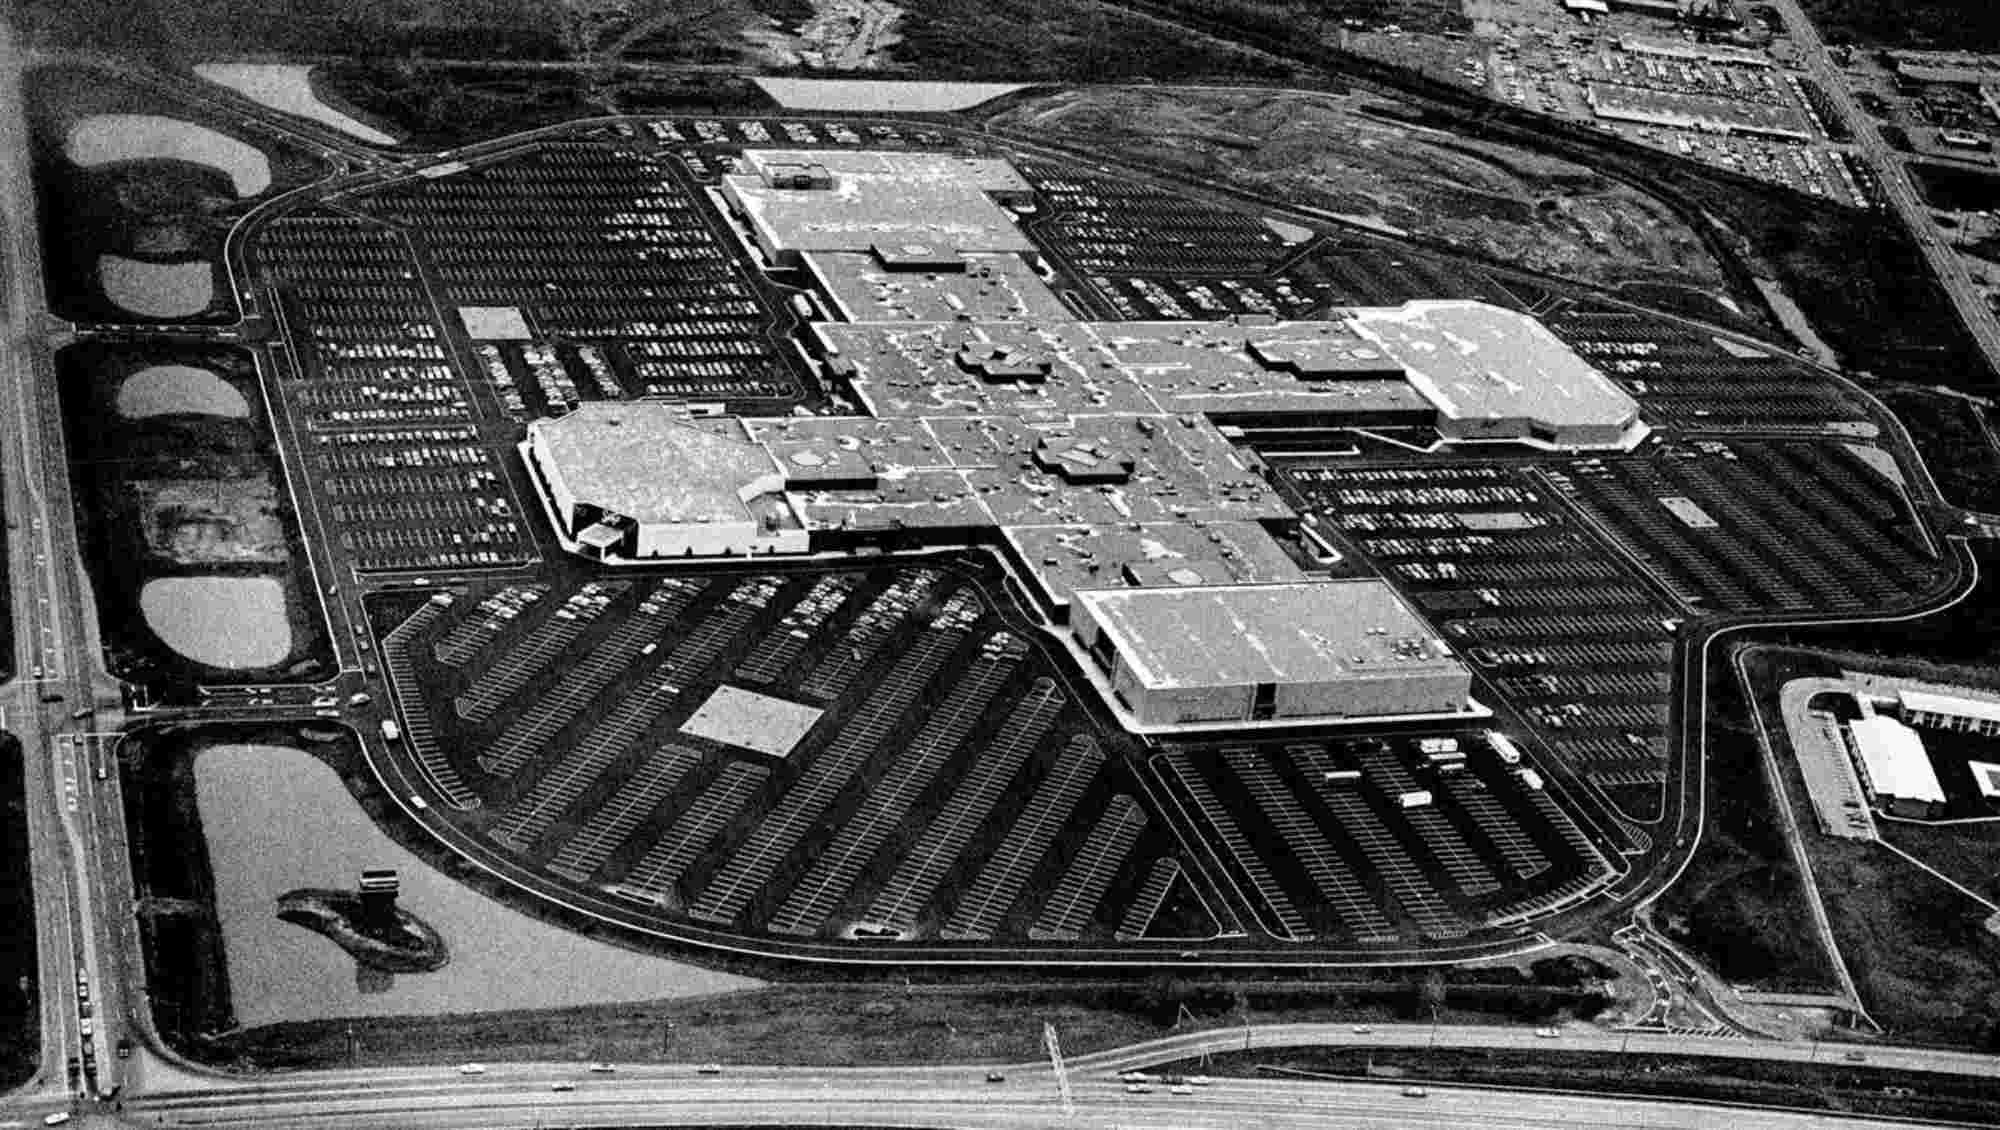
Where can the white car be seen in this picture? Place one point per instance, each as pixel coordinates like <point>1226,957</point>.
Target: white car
<point>1548,1033</point>
<point>472,1069</point>
<point>562,1085</point>
<point>1181,1089</point>
<point>602,1068</point>
<point>1199,1080</point>
<point>1138,1088</point>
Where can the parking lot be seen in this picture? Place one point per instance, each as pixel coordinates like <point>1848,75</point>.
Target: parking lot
<point>935,782</point>
<point>1759,526</point>
<point>1555,622</point>
<point>1734,107</point>
<point>1374,842</point>
<point>1688,379</point>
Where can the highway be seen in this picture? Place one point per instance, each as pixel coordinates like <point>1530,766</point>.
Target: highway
<point>54,634</point>
<point>958,1097</point>
<point>1896,186</point>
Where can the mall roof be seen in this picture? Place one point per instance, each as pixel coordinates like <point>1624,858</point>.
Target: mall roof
<point>1062,559</point>
<point>645,461</point>
<point>937,200</point>
<point>987,288</point>
<point>1233,635</point>
<point>1894,758</point>
<point>1472,361</point>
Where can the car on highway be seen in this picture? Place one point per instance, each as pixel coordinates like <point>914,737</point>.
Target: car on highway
<point>1138,1088</point>
<point>709,1069</point>
<point>996,1077</point>
<point>562,1085</point>
<point>472,1069</point>
<point>1364,1029</point>
<point>1181,1089</point>
<point>56,1119</point>
<point>602,1068</point>
<point>1199,1080</point>
<point>1415,1093</point>
<point>1548,1033</point>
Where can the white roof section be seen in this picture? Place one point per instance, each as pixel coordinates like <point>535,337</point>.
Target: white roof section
<point>1987,776</point>
<point>937,201</point>
<point>748,720</point>
<point>645,461</point>
<point>1894,757</point>
<point>1473,360</point>
<point>1956,706</point>
<point>1232,635</point>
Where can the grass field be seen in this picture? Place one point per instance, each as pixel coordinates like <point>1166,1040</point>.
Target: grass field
<point>1843,1088</point>
<point>20,1028</point>
<point>1052,39</point>
<point>1341,154</point>
<point>1740,906</point>
<point>1954,438</point>
<point>845,1025</point>
<point>1944,25</point>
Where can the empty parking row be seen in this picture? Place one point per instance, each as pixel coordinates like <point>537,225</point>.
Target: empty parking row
<point>896,907</point>
<point>1084,883</point>
<point>614,822</point>
<point>864,735</point>
<point>836,868</point>
<point>985,901</point>
<point>1281,919</point>
<point>659,871</point>
<point>1309,847</point>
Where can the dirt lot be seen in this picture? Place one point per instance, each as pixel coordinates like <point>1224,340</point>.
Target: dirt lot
<point>1332,152</point>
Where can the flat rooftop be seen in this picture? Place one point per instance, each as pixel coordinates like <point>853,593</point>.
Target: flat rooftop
<point>748,720</point>
<point>649,463</point>
<point>1233,635</point>
<point>1475,361</point>
<point>992,287</point>
<point>934,200</point>
<point>1063,559</point>
<point>1165,368</point>
<point>1895,759</point>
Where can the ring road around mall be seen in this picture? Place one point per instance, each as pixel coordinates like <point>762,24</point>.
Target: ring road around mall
<point>815,557</point>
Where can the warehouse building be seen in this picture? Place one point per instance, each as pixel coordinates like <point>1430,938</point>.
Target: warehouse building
<point>1263,653</point>
<point>1962,712</point>
<point>1894,766</point>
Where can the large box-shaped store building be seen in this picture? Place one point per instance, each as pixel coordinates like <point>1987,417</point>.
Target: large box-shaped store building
<point>1248,653</point>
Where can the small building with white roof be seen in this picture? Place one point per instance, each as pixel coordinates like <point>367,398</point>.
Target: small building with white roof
<point>1894,765</point>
